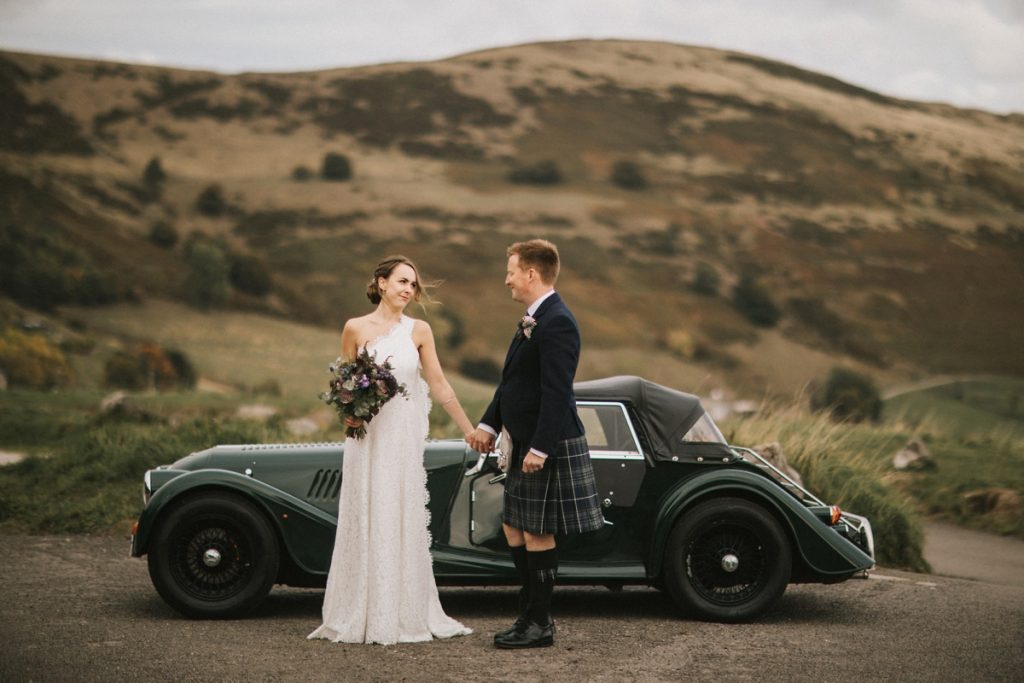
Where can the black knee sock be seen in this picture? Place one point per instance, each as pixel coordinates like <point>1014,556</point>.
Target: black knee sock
<point>523,569</point>
<point>543,571</point>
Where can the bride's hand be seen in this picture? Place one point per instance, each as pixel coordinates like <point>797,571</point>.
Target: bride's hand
<point>353,422</point>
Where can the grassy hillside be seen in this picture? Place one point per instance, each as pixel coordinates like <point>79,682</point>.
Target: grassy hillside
<point>888,234</point>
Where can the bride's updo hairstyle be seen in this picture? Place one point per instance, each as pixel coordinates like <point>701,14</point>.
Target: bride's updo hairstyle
<point>384,270</point>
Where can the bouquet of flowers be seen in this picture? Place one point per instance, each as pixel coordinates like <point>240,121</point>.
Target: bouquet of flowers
<point>360,388</point>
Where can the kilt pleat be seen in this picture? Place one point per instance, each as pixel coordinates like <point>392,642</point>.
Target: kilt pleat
<point>561,498</point>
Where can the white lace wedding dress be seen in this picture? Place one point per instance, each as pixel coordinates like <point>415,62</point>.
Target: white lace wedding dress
<point>381,584</point>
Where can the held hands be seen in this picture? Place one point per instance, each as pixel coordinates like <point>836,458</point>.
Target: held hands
<point>532,463</point>
<point>353,422</point>
<point>480,440</point>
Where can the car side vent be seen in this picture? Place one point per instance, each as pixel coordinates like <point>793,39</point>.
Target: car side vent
<point>326,484</point>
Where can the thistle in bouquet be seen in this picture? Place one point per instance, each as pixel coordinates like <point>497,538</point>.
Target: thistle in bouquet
<point>359,389</point>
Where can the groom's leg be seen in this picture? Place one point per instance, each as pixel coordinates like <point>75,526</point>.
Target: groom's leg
<point>542,557</point>
<point>517,548</point>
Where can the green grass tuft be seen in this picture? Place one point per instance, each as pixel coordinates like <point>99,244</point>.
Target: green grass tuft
<point>843,465</point>
<point>93,482</point>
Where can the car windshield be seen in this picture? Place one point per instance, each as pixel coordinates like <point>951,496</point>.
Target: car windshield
<point>704,431</point>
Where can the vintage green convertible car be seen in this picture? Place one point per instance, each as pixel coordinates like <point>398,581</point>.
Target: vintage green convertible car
<point>715,525</point>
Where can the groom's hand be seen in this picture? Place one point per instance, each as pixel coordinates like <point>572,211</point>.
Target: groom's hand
<point>533,463</point>
<point>481,441</point>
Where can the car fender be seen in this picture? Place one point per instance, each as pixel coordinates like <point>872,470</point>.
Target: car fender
<point>307,532</point>
<point>822,548</point>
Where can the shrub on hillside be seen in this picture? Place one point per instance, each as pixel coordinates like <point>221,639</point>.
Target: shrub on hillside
<point>211,201</point>
<point>206,282</point>
<point>751,299</point>
<point>32,362</point>
<point>336,167</point>
<point>302,173</point>
<point>163,234</point>
<point>38,268</point>
<point>153,175</point>
<point>706,280</point>
<point>148,366</point>
<point>848,395</point>
<point>628,176</point>
<point>544,172</point>
<point>183,368</point>
<point>250,274</point>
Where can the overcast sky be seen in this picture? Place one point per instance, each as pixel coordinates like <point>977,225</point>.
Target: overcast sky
<point>965,52</point>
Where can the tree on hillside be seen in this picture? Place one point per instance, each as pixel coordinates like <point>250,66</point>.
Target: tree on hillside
<point>211,201</point>
<point>753,301</point>
<point>250,274</point>
<point>705,279</point>
<point>163,234</point>
<point>336,167</point>
<point>544,172</point>
<point>153,175</point>
<point>206,282</point>
<point>848,395</point>
<point>628,176</point>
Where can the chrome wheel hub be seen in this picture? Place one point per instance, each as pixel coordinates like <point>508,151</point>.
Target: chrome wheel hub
<point>730,563</point>
<point>211,558</point>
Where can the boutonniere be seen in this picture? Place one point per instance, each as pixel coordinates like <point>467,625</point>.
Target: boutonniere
<point>526,325</point>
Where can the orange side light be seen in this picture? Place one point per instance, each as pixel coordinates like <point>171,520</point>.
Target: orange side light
<point>836,514</point>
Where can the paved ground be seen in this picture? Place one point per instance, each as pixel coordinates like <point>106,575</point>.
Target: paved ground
<point>954,551</point>
<point>78,608</point>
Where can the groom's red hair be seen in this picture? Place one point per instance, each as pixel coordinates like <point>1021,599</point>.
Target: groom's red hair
<point>539,254</point>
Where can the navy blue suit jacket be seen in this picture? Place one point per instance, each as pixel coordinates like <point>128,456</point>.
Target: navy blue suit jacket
<point>535,401</point>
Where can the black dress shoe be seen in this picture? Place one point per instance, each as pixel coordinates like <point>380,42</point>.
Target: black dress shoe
<point>519,625</point>
<point>533,635</point>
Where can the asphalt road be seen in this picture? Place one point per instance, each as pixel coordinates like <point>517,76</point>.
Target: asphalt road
<point>78,608</point>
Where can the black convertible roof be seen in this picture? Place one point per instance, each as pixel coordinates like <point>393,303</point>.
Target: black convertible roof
<point>667,414</point>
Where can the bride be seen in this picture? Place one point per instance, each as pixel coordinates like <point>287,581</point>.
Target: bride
<point>381,588</point>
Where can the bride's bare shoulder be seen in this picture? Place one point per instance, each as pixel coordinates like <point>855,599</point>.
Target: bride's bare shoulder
<point>356,324</point>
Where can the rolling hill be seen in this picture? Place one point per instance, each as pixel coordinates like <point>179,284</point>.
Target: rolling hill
<point>885,234</point>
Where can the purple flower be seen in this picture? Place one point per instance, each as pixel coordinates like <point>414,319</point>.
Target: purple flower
<point>360,387</point>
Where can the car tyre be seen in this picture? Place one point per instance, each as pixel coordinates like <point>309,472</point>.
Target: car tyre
<point>213,556</point>
<point>727,560</point>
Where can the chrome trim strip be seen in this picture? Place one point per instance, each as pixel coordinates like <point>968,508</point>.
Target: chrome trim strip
<point>785,477</point>
<point>861,524</point>
<point>615,455</point>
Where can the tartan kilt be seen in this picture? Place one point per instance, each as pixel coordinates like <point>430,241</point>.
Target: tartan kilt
<point>561,498</point>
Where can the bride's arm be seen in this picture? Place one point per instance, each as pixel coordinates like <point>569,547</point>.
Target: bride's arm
<point>349,348</point>
<point>440,389</point>
<point>349,345</point>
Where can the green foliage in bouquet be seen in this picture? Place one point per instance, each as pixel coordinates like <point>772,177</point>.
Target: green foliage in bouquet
<point>360,388</point>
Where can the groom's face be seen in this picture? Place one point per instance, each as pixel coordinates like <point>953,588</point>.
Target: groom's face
<point>518,280</point>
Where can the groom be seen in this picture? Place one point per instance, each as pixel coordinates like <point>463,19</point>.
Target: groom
<point>550,486</point>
